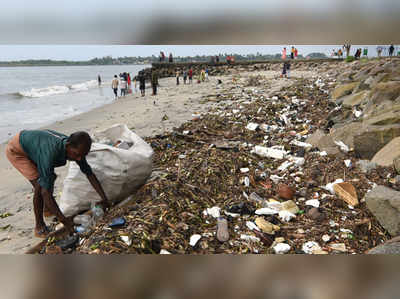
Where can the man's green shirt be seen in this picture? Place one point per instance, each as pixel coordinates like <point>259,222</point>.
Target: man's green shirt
<point>47,149</point>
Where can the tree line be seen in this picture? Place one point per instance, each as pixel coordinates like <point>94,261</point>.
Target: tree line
<point>109,60</point>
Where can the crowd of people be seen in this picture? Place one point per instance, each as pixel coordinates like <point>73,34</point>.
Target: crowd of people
<point>123,83</point>
<point>380,50</point>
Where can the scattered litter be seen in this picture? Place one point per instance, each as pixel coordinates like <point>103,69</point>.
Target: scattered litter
<point>311,247</point>
<point>313,202</point>
<point>281,248</point>
<point>194,239</point>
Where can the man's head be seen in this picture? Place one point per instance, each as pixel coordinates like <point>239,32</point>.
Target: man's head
<point>78,146</point>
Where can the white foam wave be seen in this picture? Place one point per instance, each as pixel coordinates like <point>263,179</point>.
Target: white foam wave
<point>58,89</point>
<point>42,92</point>
<point>84,85</point>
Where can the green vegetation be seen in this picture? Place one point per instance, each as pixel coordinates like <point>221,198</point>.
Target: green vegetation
<point>350,59</point>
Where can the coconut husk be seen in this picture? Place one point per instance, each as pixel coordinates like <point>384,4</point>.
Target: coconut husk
<point>347,192</point>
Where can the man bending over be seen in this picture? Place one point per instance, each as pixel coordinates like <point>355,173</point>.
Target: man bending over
<point>35,154</point>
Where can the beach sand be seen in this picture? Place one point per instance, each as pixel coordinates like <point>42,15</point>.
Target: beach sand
<point>138,113</point>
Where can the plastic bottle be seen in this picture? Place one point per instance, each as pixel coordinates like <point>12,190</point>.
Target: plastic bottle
<point>97,211</point>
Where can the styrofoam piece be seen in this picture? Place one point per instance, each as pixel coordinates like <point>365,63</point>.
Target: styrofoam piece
<point>194,239</point>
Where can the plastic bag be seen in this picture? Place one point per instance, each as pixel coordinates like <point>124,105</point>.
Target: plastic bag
<point>120,171</point>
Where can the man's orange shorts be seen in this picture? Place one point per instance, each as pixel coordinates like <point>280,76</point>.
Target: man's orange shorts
<point>19,159</point>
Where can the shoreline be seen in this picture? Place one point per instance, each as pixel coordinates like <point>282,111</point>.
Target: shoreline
<point>139,114</point>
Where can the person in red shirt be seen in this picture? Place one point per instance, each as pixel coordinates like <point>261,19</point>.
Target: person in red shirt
<point>190,74</point>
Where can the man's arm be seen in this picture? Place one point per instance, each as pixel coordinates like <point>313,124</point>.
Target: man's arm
<point>99,189</point>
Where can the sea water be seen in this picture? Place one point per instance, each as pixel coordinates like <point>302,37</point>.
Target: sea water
<point>32,97</point>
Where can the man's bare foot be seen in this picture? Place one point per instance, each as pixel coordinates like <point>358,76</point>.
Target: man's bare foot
<point>42,232</point>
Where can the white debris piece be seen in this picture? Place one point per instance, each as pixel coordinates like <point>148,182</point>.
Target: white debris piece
<point>249,238</point>
<point>301,144</point>
<point>127,240</point>
<point>252,126</point>
<point>281,248</point>
<point>299,161</point>
<point>214,212</point>
<point>329,186</point>
<point>275,178</point>
<point>313,202</point>
<point>235,111</point>
<point>267,152</point>
<point>323,154</point>
<point>251,225</point>
<point>274,98</point>
<point>244,170</point>
<point>338,247</point>
<point>163,251</point>
<point>342,146</point>
<point>285,165</point>
<point>233,215</point>
<point>286,215</point>
<point>311,247</point>
<point>246,181</point>
<point>347,163</point>
<point>357,113</point>
<point>326,238</point>
<point>266,211</point>
<point>194,239</point>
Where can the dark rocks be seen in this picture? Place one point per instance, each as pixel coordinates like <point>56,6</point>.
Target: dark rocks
<point>374,138</point>
<point>285,192</point>
<point>365,165</point>
<point>384,203</point>
<point>315,214</point>
<point>390,247</point>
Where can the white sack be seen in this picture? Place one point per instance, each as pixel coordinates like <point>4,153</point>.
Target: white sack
<point>119,171</point>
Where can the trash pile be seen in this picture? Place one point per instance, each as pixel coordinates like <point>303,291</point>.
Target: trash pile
<point>242,179</point>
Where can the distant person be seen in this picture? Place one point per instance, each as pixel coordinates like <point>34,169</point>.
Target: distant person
<point>228,59</point>
<point>190,74</point>
<point>171,59</point>
<point>217,59</point>
<point>207,74</point>
<point>340,53</point>
<point>391,50</point>
<point>292,53</point>
<point>184,77</point>
<point>162,56</point>
<point>99,79</point>
<point>35,154</point>
<point>154,81</point>
<point>202,75</point>
<point>283,70</point>
<point>288,70</point>
<point>123,86</point>
<point>365,52</point>
<point>284,53</point>
<point>295,53</point>
<point>142,83</point>
<point>177,74</point>
<point>358,54</point>
<point>379,51</point>
<point>128,77</point>
<point>114,85</point>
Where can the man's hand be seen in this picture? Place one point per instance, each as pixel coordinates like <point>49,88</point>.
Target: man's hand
<point>69,225</point>
<point>105,204</point>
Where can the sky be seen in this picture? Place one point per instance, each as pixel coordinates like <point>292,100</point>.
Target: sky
<point>87,52</point>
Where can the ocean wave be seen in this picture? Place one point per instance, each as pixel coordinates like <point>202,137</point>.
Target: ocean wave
<point>58,89</point>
